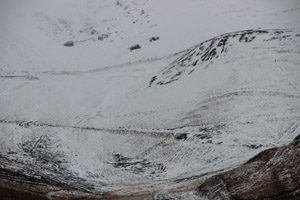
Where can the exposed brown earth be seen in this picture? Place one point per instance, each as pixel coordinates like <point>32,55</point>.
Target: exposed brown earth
<point>273,174</point>
<point>17,186</point>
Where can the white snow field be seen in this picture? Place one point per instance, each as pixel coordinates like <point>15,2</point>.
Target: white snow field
<point>218,82</point>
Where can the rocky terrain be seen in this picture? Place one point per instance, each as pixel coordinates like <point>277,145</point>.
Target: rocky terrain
<point>215,49</point>
<point>271,175</point>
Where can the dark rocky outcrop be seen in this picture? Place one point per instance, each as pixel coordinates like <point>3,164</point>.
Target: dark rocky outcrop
<point>181,136</point>
<point>206,53</point>
<point>103,36</point>
<point>138,166</point>
<point>69,44</point>
<point>134,47</point>
<point>152,39</point>
<point>273,174</point>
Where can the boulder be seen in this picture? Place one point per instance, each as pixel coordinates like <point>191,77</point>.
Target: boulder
<point>69,44</point>
<point>134,47</point>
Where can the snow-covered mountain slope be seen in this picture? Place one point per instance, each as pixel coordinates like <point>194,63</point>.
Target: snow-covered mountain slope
<point>101,118</point>
<point>33,31</point>
<point>216,49</point>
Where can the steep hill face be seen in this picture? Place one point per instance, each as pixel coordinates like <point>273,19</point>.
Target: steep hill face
<point>272,174</point>
<point>218,49</point>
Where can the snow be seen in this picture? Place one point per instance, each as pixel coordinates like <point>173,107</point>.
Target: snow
<point>93,100</point>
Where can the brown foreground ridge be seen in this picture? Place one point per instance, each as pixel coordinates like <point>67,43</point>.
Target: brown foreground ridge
<point>273,174</point>
<point>18,186</point>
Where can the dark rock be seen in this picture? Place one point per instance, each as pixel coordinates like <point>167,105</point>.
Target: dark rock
<point>118,3</point>
<point>253,146</point>
<point>152,39</point>
<point>138,166</point>
<point>152,80</point>
<point>181,136</point>
<point>134,47</point>
<point>69,44</point>
<point>203,136</point>
<point>103,36</point>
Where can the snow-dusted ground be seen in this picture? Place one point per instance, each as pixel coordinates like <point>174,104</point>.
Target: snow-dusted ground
<point>202,98</point>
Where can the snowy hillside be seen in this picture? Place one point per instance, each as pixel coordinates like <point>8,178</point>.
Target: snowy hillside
<point>211,85</point>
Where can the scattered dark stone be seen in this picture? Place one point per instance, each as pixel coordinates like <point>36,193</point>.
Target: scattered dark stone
<point>25,124</point>
<point>246,37</point>
<point>39,149</point>
<point>180,136</point>
<point>286,36</point>
<point>209,54</point>
<point>170,81</point>
<point>11,152</point>
<point>134,47</point>
<point>272,38</point>
<point>278,32</point>
<point>138,166</point>
<point>261,31</point>
<point>152,80</point>
<point>69,44</point>
<point>178,74</point>
<point>118,3</point>
<point>103,36</point>
<point>254,146</point>
<point>222,42</point>
<point>203,136</point>
<point>195,63</point>
<point>191,71</point>
<point>152,39</point>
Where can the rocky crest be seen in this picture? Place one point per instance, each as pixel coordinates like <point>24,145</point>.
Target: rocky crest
<point>208,52</point>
